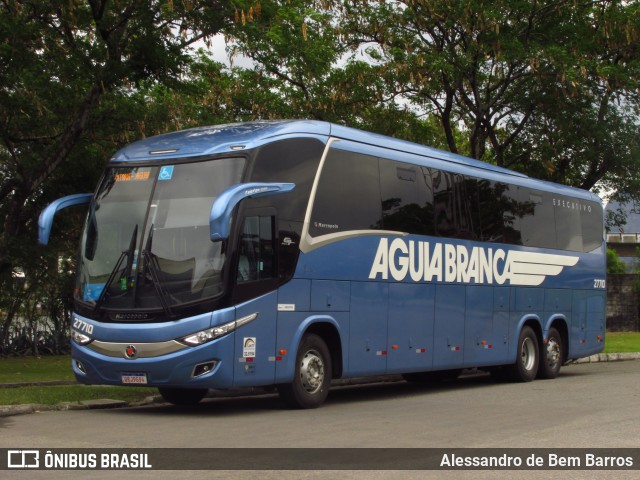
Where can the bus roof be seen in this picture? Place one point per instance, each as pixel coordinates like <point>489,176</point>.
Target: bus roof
<point>223,138</point>
<point>233,137</point>
<point>216,139</point>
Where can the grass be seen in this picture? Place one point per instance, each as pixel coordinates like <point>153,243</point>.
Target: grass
<point>617,342</point>
<point>71,393</point>
<point>36,369</point>
<point>52,369</point>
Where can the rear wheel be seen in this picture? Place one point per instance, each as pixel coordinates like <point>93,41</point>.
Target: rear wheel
<point>526,367</point>
<point>312,376</point>
<point>552,355</point>
<point>183,396</point>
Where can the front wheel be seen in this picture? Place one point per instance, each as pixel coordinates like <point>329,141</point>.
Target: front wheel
<point>182,396</point>
<point>526,367</point>
<point>312,376</point>
<point>552,355</point>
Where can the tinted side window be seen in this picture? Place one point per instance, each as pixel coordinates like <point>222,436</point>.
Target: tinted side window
<point>472,215</point>
<point>348,195</point>
<point>455,205</point>
<point>500,212</point>
<point>568,225</point>
<point>537,221</point>
<point>256,253</point>
<point>452,212</point>
<point>407,204</point>
<point>592,227</point>
<point>293,161</point>
<point>296,161</point>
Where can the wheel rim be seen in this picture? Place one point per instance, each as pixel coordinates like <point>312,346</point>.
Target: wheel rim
<point>528,354</point>
<point>553,353</point>
<point>312,371</point>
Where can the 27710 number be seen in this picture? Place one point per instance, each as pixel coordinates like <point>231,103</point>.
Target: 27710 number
<point>82,326</point>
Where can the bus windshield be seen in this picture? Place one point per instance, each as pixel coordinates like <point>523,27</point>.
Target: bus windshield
<point>146,242</point>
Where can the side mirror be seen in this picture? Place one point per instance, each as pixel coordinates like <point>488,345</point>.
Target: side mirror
<point>223,206</point>
<point>45,222</point>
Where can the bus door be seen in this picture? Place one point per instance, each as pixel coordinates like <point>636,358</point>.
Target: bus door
<point>255,277</point>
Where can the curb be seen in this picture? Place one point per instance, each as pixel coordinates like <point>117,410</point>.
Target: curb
<point>54,383</point>
<point>609,357</point>
<point>10,410</point>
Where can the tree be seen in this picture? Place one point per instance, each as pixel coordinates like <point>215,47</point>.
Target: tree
<point>614,264</point>
<point>74,79</point>
<point>63,67</point>
<point>546,87</point>
<point>303,68</point>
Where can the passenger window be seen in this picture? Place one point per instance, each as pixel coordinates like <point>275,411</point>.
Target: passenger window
<point>407,202</point>
<point>538,223</point>
<point>568,225</point>
<point>455,204</point>
<point>444,203</point>
<point>500,212</point>
<point>256,251</point>
<point>592,228</point>
<point>348,195</point>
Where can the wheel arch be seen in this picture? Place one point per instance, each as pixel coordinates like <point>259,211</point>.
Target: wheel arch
<point>329,333</point>
<point>532,321</point>
<point>327,328</point>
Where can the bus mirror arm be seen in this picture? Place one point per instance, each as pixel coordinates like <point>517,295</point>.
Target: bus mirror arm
<point>222,208</point>
<point>45,222</point>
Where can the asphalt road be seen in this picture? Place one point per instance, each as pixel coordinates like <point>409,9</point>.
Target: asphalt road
<point>589,405</point>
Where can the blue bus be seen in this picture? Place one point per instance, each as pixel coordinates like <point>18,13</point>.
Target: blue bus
<point>291,253</point>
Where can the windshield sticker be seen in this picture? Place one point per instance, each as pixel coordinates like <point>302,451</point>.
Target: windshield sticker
<point>166,173</point>
<point>92,291</point>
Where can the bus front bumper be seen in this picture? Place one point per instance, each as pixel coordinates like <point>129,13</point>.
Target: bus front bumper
<point>158,364</point>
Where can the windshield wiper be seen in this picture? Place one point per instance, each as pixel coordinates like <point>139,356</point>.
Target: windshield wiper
<point>125,274</point>
<point>150,264</point>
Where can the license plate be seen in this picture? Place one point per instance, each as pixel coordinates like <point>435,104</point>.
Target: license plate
<point>134,378</point>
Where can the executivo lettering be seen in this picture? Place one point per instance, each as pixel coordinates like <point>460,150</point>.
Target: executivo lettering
<point>444,262</point>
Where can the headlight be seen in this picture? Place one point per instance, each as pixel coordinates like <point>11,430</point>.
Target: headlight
<point>210,334</point>
<point>80,338</point>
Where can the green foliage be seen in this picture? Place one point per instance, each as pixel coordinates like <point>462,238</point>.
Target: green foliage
<point>75,81</point>
<point>548,88</point>
<point>614,264</point>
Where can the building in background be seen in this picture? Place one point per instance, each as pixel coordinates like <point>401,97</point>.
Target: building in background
<point>625,239</point>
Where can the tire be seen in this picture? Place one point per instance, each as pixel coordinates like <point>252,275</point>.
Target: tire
<point>525,368</point>
<point>432,377</point>
<point>312,376</point>
<point>551,355</point>
<point>183,396</point>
